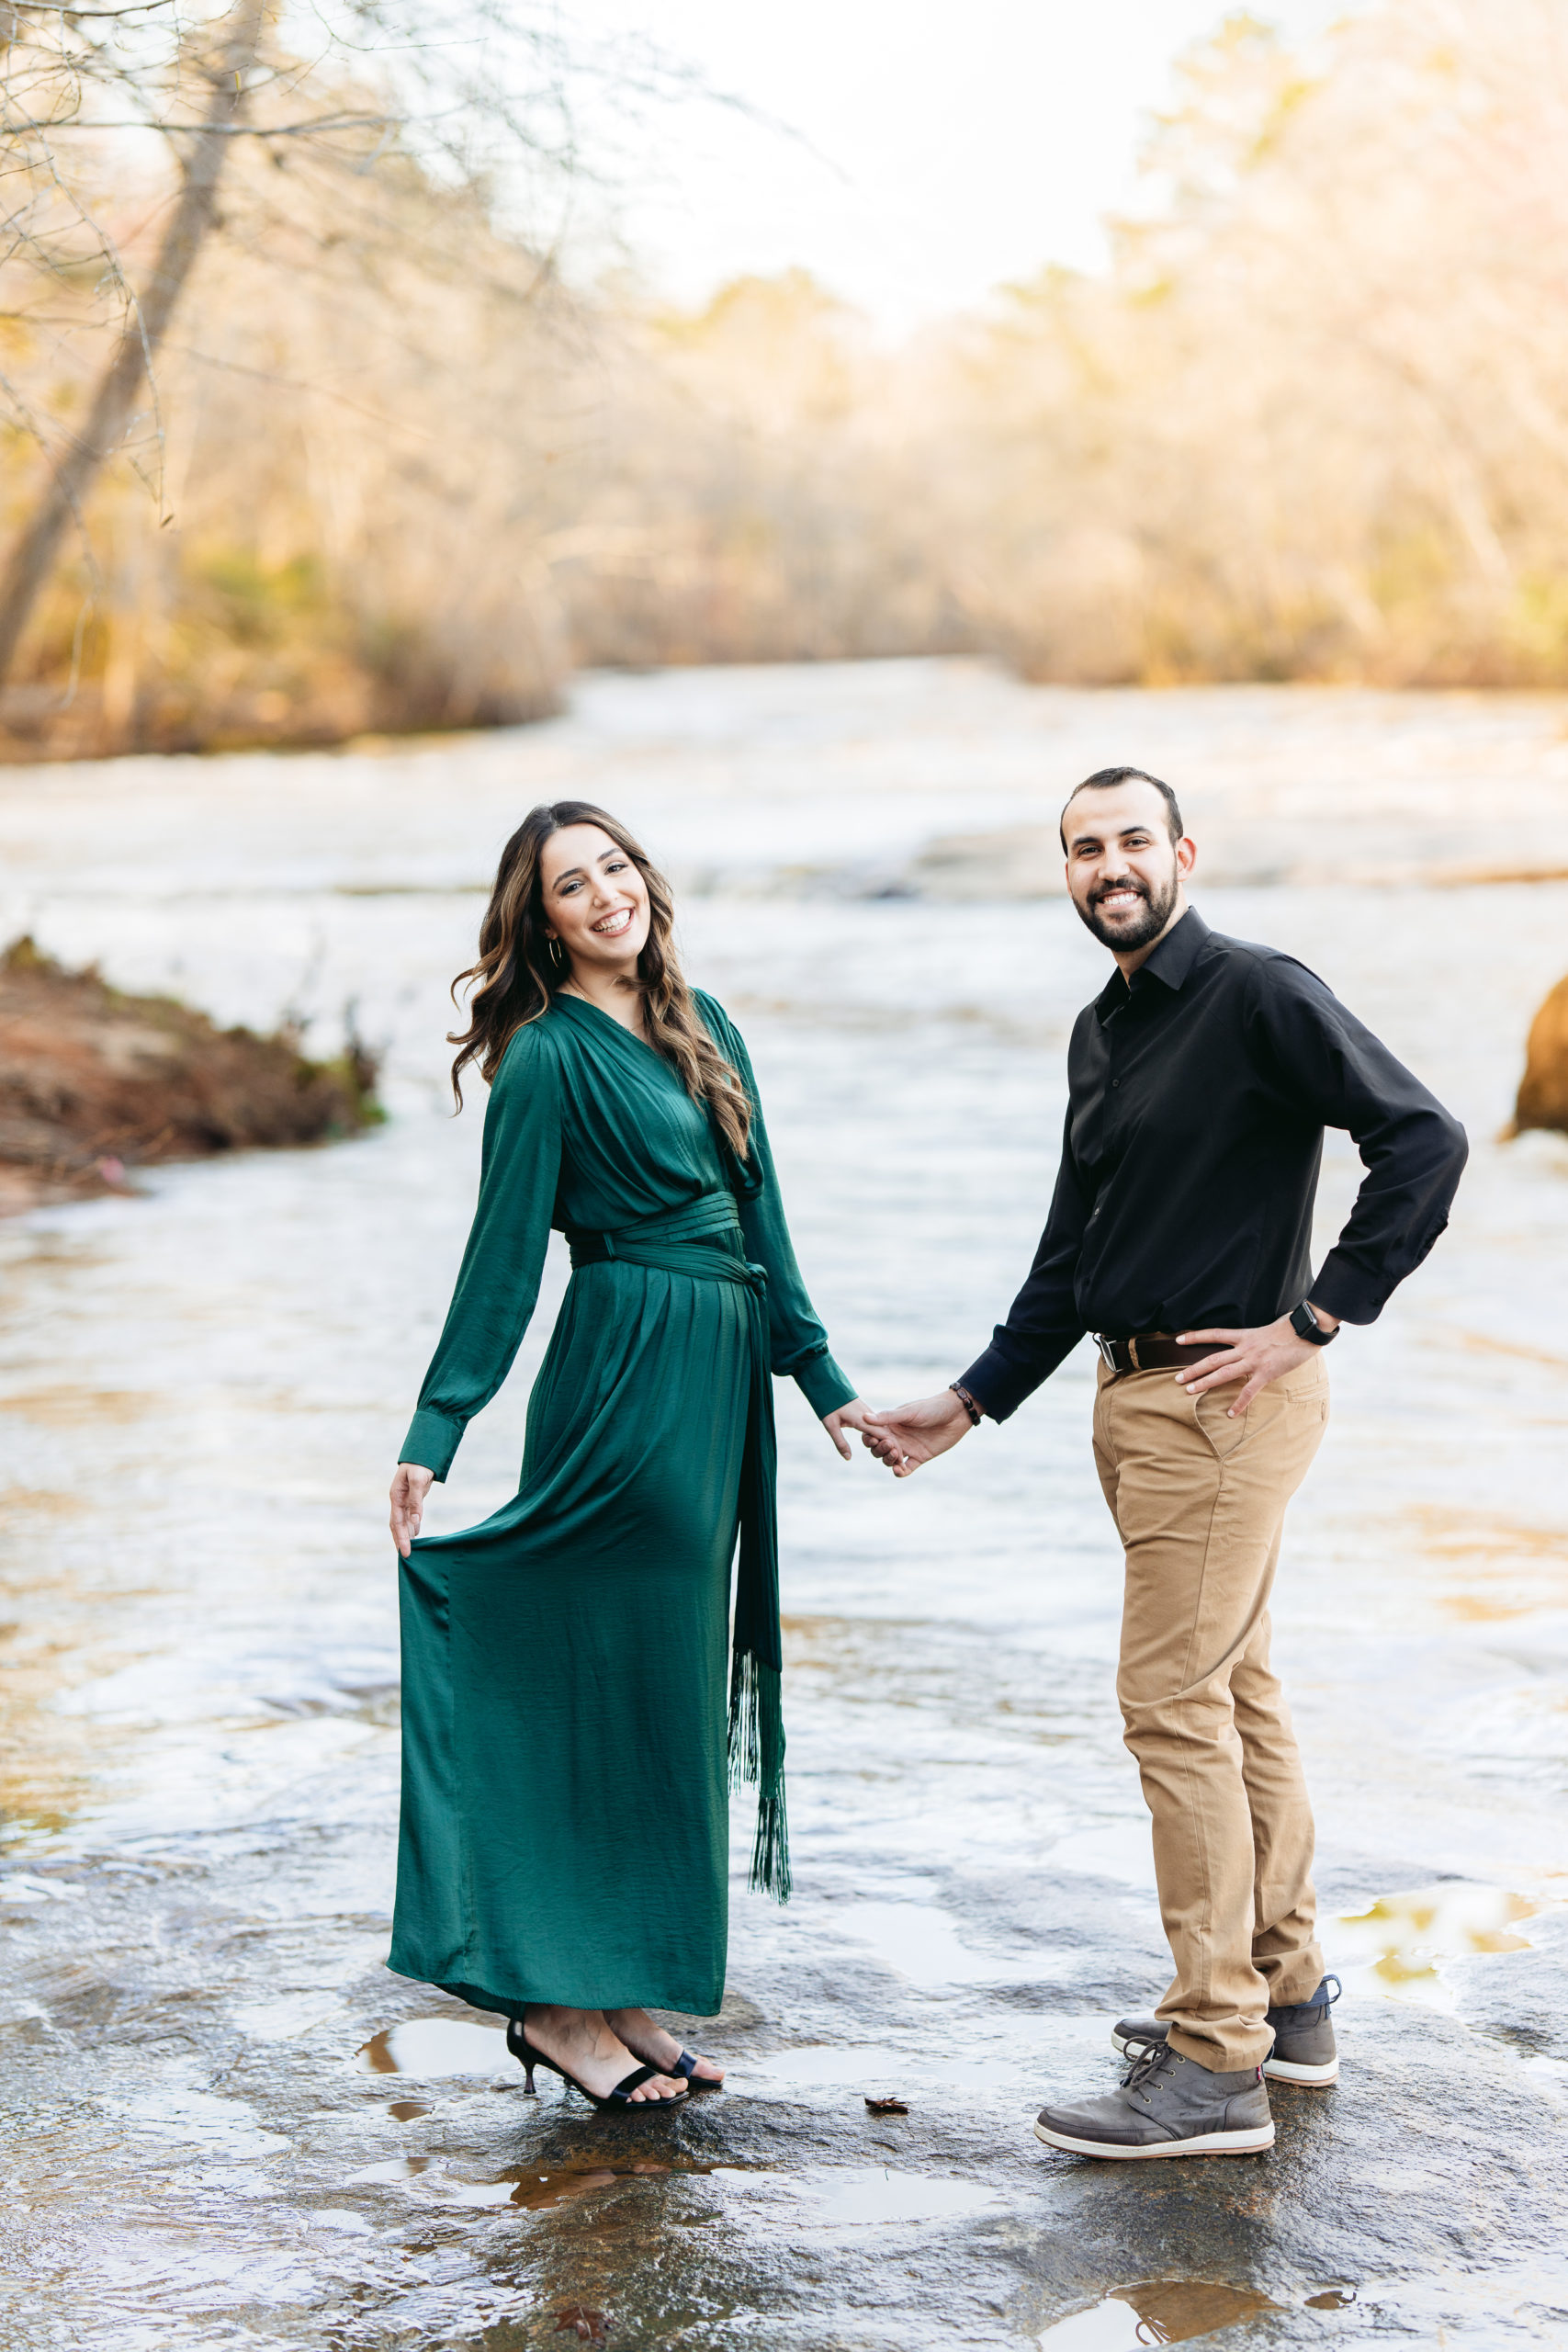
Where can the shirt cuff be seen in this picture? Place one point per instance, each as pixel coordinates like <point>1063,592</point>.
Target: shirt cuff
<point>822,1385</point>
<point>434,1438</point>
<point>998,1386</point>
<point>1347,1290</point>
<point>1343,1291</point>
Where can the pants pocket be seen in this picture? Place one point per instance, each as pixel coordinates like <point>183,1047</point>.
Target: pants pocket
<point>1213,1414</point>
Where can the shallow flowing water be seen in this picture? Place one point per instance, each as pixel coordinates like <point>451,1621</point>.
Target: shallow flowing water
<point>228,2126</point>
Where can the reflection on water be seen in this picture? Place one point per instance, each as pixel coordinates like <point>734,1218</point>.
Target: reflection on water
<point>542,2192</point>
<point>872,2068</point>
<point>24,1886</point>
<point>68,1407</point>
<point>588,2326</point>
<point>1511,1568</point>
<point>858,2196</point>
<point>923,1944</point>
<point>530,2190</point>
<point>431,2046</point>
<point>479,2194</point>
<point>818,2062</point>
<point>1398,1944</point>
<point>1156,2310</point>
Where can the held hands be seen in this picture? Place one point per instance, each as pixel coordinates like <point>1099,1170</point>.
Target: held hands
<point>1256,1357</point>
<point>916,1433</point>
<point>855,1415</point>
<point>911,1434</point>
<point>410,1487</point>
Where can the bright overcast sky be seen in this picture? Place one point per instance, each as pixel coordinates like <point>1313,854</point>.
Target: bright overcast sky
<point>943,146</point>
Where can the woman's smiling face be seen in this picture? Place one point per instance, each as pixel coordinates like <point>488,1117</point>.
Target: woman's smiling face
<point>595,901</point>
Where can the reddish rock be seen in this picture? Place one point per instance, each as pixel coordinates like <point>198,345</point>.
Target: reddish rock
<point>1543,1089</point>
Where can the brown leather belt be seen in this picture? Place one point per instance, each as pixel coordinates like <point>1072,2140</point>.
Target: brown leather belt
<point>1153,1352</point>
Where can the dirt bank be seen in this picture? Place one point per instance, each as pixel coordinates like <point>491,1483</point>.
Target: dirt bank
<point>94,1083</point>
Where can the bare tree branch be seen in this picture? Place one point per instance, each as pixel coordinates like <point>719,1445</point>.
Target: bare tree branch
<point>32,557</point>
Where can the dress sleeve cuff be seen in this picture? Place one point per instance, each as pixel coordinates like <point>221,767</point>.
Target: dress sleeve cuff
<point>822,1385</point>
<point>434,1438</point>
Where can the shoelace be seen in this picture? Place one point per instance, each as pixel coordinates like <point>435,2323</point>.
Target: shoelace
<point>1150,2058</point>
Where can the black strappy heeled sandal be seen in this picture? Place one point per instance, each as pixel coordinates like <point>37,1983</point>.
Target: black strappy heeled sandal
<point>619,2100</point>
<point>686,2065</point>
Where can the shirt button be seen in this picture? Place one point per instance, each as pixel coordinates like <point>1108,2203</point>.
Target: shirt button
<point>1116,1081</point>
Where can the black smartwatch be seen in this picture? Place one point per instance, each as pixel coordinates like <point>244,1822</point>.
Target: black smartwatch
<point>1306,1324</point>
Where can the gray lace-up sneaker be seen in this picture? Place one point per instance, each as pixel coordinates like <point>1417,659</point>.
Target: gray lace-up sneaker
<point>1303,2048</point>
<point>1167,2106</point>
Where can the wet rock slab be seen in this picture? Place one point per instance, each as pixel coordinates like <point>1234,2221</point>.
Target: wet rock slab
<point>225,2126</point>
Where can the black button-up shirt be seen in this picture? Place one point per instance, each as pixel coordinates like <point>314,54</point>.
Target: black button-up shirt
<point>1197,1097</point>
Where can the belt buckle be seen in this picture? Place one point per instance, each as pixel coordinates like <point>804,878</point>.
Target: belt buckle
<point>1107,1351</point>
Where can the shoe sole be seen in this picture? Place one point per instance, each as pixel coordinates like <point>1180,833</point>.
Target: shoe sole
<point>1286,2070</point>
<point>1203,2143</point>
<point>1279,2070</point>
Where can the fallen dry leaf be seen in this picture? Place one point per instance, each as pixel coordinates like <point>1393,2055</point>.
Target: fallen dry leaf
<point>889,2106</point>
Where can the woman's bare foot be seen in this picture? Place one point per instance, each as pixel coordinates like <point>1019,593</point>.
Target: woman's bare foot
<point>582,2041</point>
<point>654,2046</point>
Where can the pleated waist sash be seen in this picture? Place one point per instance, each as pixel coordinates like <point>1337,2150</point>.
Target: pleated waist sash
<point>704,1239</point>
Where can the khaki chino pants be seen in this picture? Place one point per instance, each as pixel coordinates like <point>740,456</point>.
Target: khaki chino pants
<point>1199,1502</point>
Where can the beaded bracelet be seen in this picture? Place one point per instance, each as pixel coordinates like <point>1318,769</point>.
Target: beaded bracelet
<point>970,1406</point>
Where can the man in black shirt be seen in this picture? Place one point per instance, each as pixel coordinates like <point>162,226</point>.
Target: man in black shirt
<point>1199,1082</point>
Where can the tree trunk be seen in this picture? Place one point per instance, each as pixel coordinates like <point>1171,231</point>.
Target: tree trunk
<point>32,557</point>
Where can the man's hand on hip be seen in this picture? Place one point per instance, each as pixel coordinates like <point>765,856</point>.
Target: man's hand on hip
<point>911,1434</point>
<point>1256,1357</point>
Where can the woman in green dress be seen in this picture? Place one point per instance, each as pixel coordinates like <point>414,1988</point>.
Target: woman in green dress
<point>567,1740</point>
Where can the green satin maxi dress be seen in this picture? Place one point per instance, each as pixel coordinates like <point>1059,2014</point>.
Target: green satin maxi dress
<point>572,1708</point>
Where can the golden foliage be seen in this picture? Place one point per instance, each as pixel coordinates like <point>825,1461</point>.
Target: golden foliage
<point>1311,422</point>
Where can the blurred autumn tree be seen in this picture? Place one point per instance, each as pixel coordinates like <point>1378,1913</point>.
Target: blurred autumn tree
<point>1314,423</point>
<point>753,498</point>
<point>302,307</point>
<point>1311,422</point>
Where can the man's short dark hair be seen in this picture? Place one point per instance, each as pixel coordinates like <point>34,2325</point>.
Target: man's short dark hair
<point>1104,779</point>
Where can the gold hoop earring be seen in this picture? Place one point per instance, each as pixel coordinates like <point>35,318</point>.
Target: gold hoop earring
<point>557,954</point>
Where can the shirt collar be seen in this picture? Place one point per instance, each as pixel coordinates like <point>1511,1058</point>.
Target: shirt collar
<point>1171,962</point>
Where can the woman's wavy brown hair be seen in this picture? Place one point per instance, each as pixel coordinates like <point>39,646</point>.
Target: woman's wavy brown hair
<point>516,975</point>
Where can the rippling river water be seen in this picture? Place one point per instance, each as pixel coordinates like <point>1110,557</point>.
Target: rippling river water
<point>230,2127</point>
